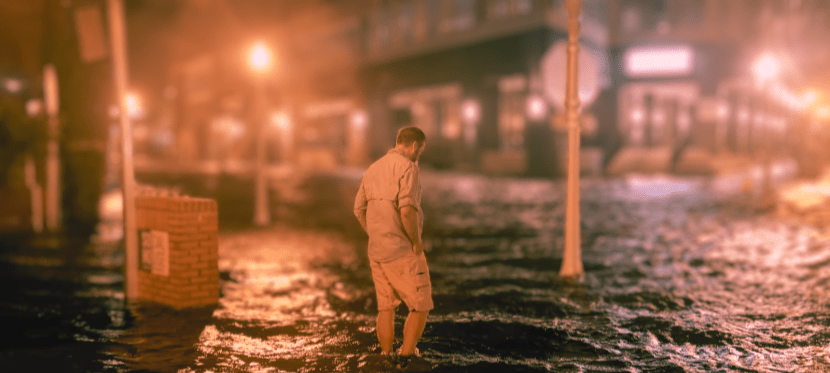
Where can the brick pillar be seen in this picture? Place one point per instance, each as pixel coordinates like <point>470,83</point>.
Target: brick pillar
<point>178,250</point>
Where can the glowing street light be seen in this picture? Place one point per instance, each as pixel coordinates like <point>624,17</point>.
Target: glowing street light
<point>766,68</point>
<point>260,58</point>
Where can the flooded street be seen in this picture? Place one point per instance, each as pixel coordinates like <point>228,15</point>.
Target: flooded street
<point>682,275</point>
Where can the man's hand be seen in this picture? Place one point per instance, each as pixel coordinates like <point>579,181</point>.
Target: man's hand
<point>409,218</point>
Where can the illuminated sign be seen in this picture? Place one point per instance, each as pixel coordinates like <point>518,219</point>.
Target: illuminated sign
<point>658,61</point>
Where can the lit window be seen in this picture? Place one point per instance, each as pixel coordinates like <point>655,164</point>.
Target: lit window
<point>658,61</point>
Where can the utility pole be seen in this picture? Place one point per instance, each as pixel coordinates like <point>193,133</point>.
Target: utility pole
<point>572,256</point>
<point>119,65</point>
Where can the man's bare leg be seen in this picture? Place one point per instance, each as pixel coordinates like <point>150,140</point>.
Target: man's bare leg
<point>412,330</point>
<point>386,329</point>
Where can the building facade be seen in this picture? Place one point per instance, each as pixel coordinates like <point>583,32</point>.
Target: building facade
<point>483,80</point>
<point>473,75</point>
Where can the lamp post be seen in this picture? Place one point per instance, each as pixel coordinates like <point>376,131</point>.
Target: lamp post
<point>119,54</point>
<point>572,255</point>
<point>260,60</point>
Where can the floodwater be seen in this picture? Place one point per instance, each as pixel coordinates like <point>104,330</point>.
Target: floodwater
<point>682,275</point>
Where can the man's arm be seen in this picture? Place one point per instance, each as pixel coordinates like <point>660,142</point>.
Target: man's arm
<point>409,218</point>
<point>360,204</point>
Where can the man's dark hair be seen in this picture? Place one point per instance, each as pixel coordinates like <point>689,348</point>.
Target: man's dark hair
<point>407,135</point>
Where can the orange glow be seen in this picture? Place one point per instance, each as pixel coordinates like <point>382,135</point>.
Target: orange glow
<point>260,57</point>
<point>823,113</point>
<point>809,97</point>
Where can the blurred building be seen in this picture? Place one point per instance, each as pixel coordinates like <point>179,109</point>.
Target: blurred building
<point>667,85</point>
<point>479,77</point>
<point>660,81</point>
<point>703,79</point>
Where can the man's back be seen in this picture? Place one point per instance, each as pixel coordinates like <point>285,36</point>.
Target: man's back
<point>390,183</point>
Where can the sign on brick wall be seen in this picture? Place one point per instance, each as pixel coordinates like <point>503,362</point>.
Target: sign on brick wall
<point>155,251</point>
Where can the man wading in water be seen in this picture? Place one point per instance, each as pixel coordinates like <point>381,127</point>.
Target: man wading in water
<point>388,206</point>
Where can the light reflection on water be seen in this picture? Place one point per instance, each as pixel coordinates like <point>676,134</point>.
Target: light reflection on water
<point>679,281</point>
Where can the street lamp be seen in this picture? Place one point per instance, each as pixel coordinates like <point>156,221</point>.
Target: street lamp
<point>766,68</point>
<point>260,61</point>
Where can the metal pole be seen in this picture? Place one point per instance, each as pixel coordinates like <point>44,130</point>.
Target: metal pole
<point>53,185</point>
<point>572,256</point>
<point>262,214</point>
<point>119,59</point>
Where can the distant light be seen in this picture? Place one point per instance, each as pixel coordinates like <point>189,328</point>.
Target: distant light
<point>653,61</point>
<point>765,68</point>
<point>13,85</point>
<point>637,115</point>
<point>135,107</point>
<point>359,120</point>
<point>280,121</point>
<point>723,110</point>
<point>260,57</point>
<point>34,107</point>
<point>230,126</point>
<point>823,113</point>
<point>537,108</point>
<point>809,97</point>
<point>470,111</point>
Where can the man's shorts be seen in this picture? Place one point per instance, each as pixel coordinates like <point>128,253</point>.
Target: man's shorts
<point>404,279</point>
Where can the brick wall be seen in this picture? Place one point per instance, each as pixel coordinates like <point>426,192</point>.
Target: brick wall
<point>178,250</point>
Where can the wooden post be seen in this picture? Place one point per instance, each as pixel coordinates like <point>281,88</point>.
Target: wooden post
<point>572,256</point>
<point>119,64</point>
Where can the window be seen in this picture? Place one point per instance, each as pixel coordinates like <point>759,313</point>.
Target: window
<point>499,9</point>
<point>436,110</point>
<point>420,23</point>
<point>379,33</point>
<point>404,22</point>
<point>465,14</point>
<point>642,15</point>
<point>456,15</point>
<point>522,6</point>
<point>511,115</point>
